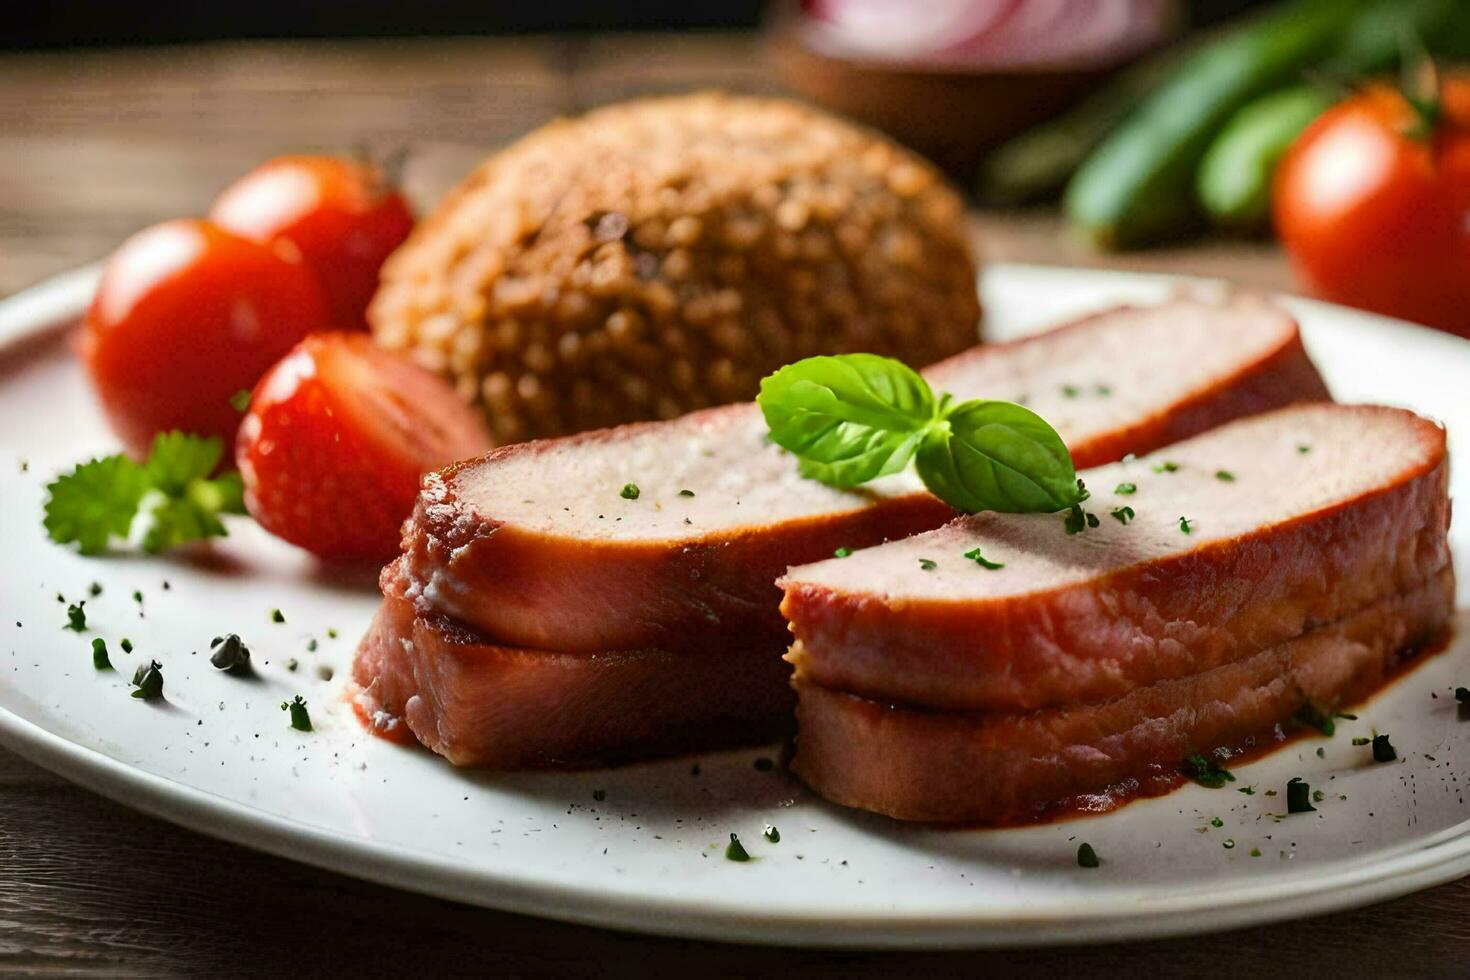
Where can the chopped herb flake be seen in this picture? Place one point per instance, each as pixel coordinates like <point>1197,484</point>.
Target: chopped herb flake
<point>974,555</point>
<point>127,645</point>
<point>735,851</point>
<point>1362,740</point>
<point>842,552</point>
<point>1122,514</point>
<point>1318,796</point>
<point>1225,476</point>
<point>1247,790</point>
<point>95,589</point>
<point>76,616</point>
<point>1216,822</point>
<point>148,681</point>
<point>300,720</point>
<point>1298,796</point>
<point>1303,449</point>
<point>1167,466</point>
<point>240,400</point>
<point>1086,856</point>
<point>686,493</point>
<point>1069,391</point>
<point>1079,520</point>
<point>331,634</point>
<point>928,564</point>
<point>311,645</point>
<point>1126,488</point>
<point>1383,750</point>
<point>137,596</point>
<point>1206,771</point>
<point>1103,390</point>
<point>229,653</point>
<point>771,834</point>
<point>277,616</point>
<point>1185,525</point>
<point>1313,717</point>
<point>629,491</point>
<point>1255,852</point>
<point>100,659</point>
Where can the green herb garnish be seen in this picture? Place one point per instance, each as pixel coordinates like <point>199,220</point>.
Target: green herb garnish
<point>240,400</point>
<point>1167,466</point>
<point>1313,717</point>
<point>1225,476</point>
<point>76,616</point>
<point>686,493</point>
<point>300,720</point>
<point>127,645</point>
<point>1303,449</point>
<point>1086,856</point>
<point>735,851</point>
<point>277,616</point>
<point>1122,514</point>
<point>928,564</point>
<point>1361,740</point>
<point>842,552</point>
<point>1216,822</point>
<point>629,491</point>
<point>974,555</point>
<point>148,681</point>
<point>100,660</point>
<point>1206,771</point>
<point>852,418</point>
<point>1298,796</point>
<point>1126,488</point>
<point>771,834</point>
<point>1079,520</point>
<point>1069,391</point>
<point>95,589</point>
<point>99,500</point>
<point>1185,525</point>
<point>230,654</point>
<point>1383,750</point>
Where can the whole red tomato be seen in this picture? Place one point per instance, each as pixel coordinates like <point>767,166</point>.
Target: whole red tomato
<point>1374,207</point>
<point>186,316</point>
<point>343,215</point>
<point>337,436</point>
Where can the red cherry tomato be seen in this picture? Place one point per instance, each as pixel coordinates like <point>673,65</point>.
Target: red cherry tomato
<point>186,316</point>
<point>337,436</point>
<point>343,215</point>
<point>1377,217</point>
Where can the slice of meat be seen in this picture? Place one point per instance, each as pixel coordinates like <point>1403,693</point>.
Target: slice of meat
<point>1005,767</point>
<point>478,703</point>
<point>540,544</point>
<point>1295,518</point>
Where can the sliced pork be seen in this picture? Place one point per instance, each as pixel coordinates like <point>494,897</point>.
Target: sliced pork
<point>665,534</point>
<point>1281,561</point>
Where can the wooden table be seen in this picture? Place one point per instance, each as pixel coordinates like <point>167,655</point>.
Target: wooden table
<point>94,146</point>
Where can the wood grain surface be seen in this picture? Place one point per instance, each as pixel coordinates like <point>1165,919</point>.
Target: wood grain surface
<point>96,145</point>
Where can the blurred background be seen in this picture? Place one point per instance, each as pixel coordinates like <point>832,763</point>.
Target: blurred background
<point>116,115</point>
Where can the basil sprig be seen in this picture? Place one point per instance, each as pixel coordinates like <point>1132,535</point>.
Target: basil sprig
<point>852,418</point>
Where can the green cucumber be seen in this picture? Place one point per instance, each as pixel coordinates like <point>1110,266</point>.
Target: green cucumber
<point>1138,186</point>
<point>1234,178</point>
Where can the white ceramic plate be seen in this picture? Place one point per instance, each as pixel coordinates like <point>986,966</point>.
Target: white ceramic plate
<point>646,852</point>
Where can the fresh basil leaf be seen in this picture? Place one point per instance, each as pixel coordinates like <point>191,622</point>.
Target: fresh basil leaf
<point>849,418</point>
<point>992,455</point>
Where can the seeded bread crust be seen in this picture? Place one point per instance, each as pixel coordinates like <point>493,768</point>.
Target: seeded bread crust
<point>662,255</point>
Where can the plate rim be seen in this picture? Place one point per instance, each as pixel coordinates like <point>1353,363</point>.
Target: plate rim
<point>31,315</point>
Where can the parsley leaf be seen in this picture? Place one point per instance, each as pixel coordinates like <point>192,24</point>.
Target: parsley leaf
<point>94,502</point>
<point>100,499</point>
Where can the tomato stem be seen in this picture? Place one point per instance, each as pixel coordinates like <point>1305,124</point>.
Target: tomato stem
<point>1420,86</point>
